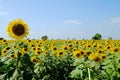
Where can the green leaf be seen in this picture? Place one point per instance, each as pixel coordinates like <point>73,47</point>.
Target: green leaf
<point>15,75</point>
<point>76,74</point>
<point>109,71</point>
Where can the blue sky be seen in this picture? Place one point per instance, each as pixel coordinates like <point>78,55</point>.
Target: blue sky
<point>62,19</point>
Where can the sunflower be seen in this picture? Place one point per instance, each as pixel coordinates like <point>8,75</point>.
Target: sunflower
<point>100,51</point>
<point>12,56</point>
<point>54,48</point>
<point>70,46</point>
<point>99,46</point>
<point>38,52</point>
<point>103,56</point>
<point>60,53</point>
<point>94,57</point>
<point>33,48</point>
<point>77,54</point>
<point>4,41</point>
<point>4,52</point>
<point>35,59</point>
<point>17,29</point>
<point>24,50</point>
<point>83,53</point>
<point>20,54</point>
<point>65,48</point>
<point>115,49</point>
<point>88,52</point>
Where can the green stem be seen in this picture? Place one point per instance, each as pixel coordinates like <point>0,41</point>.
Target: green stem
<point>89,74</point>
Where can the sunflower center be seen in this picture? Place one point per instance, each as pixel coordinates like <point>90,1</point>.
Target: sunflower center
<point>18,29</point>
<point>77,55</point>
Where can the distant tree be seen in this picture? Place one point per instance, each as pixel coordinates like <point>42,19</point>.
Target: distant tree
<point>45,37</point>
<point>109,38</point>
<point>68,38</point>
<point>73,39</point>
<point>97,36</point>
<point>1,38</point>
<point>58,39</point>
<point>28,39</point>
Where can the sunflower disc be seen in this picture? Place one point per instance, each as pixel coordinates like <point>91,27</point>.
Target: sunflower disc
<point>18,29</point>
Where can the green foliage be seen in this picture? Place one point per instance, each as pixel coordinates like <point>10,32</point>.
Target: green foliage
<point>109,38</point>
<point>1,38</point>
<point>85,70</point>
<point>54,68</point>
<point>111,66</point>
<point>109,69</point>
<point>45,37</point>
<point>18,69</point>
<point>97,36</point>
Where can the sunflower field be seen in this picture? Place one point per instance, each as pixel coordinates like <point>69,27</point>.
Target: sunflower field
<point>22,59</point>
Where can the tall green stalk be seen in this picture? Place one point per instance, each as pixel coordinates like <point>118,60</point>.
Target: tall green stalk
<point>89,74</point>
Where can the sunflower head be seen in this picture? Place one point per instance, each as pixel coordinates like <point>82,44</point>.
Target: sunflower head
<point>94,57</point>
<point>77,54</point>
<point>17,29</point>
<point>60,53</point>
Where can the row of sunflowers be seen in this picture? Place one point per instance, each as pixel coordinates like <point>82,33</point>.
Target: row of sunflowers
<point>22,59</point>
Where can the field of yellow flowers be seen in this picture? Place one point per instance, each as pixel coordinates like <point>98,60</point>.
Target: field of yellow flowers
<point>60,59</point>
<point>22,59</point>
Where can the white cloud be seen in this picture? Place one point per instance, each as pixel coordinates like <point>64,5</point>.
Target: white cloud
<point>2,13</point>
<point>70,21</point>
<point>114,20</point>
